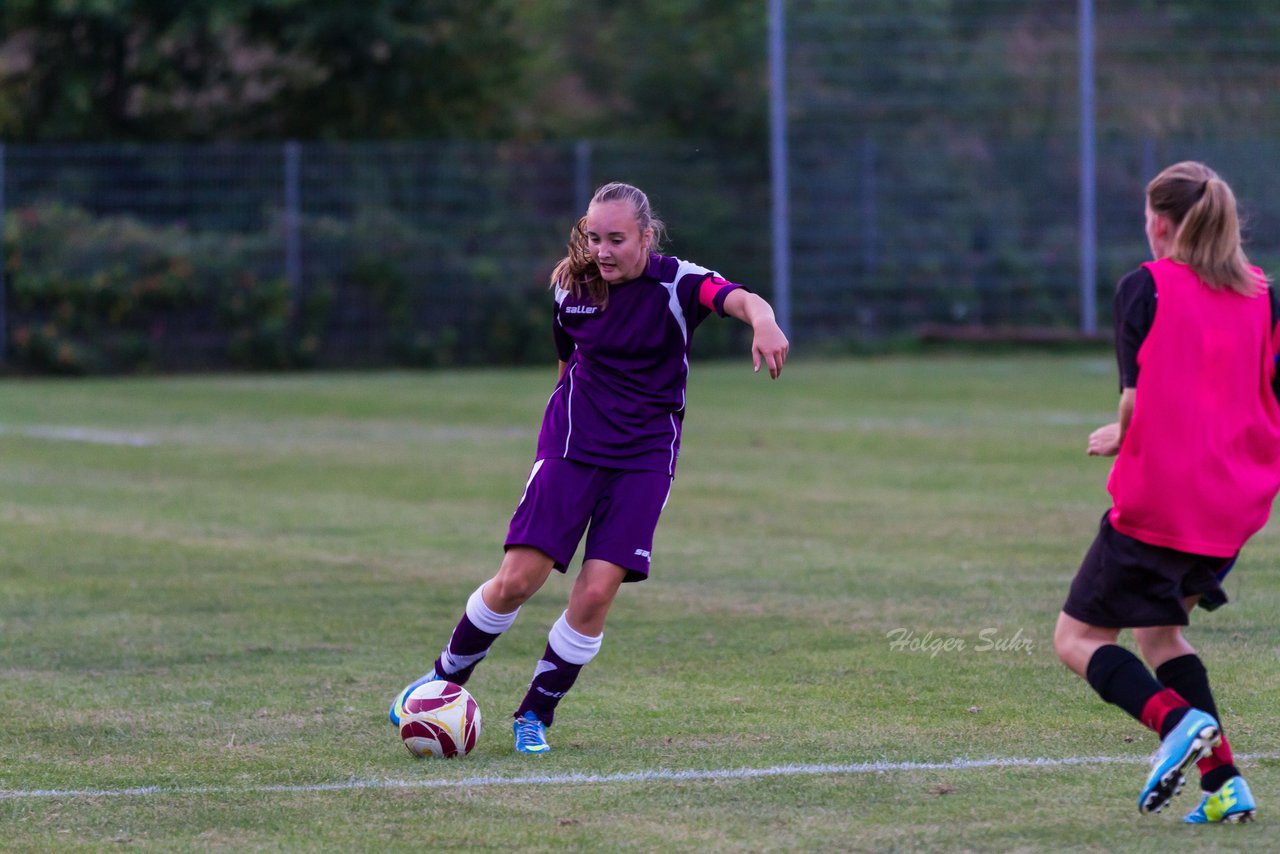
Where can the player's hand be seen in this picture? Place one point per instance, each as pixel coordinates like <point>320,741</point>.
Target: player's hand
<point>1105,441</point>
<point>769,346</point>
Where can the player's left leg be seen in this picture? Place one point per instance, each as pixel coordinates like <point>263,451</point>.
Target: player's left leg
<point>618,548</point>
<point>1231,802</point>
<point>491,610</point>
<point>572,642</point>
<point>1226,795</point>
<point>1116,674</point>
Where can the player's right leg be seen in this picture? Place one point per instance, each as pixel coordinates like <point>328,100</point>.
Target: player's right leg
<point>490,611</point>
<point>397,703</point>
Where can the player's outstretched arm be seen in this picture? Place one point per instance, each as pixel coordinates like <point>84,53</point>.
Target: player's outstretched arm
<point>769,344</point>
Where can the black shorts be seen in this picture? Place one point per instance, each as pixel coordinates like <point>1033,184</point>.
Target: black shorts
<point>1125,583</point>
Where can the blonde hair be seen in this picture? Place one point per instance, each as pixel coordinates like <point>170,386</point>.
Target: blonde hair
<point>577,271</point>
<point>1203,210</point>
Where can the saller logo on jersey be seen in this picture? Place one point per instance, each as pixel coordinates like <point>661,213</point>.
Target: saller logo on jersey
<point>580,309</point>
<point>642,553</point>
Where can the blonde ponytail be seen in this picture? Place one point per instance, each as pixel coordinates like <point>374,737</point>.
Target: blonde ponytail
<point>577,271</point>
<point>1203,210</point>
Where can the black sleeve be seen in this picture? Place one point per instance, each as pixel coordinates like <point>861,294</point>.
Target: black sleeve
<point>1275,316</point>
<point>564,344</point>
<point>1135,311</point>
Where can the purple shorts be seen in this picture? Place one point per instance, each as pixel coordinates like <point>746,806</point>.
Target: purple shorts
<point>622,507</point>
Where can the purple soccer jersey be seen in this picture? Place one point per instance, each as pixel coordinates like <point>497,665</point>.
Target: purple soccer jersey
<point>621,400</point>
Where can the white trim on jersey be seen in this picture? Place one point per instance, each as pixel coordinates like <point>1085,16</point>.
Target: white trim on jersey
<point>568,406</point>
<point>673,305</point>
<point>683,269</point>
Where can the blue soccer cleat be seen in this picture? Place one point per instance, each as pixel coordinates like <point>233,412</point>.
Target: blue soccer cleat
<point>531,734</point>
<point>1192,739</point>
<point>397,705</point>
<point>1232,803</point>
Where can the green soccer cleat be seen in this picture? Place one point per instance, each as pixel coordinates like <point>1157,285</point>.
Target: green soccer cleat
<point>1192,739</point>
<point>531,734</point>
<point>1231,803</point>
<point>397,705</point>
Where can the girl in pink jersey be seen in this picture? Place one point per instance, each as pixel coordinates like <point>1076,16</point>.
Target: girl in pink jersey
<point>610,438</point>
<point>1197,447</point>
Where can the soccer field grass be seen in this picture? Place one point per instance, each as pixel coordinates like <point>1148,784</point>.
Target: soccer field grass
<point>210,588</point>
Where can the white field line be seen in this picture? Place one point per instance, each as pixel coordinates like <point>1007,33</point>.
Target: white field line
<point>661,775</point>
<point>92,435</point>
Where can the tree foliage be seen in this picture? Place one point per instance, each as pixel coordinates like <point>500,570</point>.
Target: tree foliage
<point>659,70</point>
<point>106,70</point>
<point>116,70</point>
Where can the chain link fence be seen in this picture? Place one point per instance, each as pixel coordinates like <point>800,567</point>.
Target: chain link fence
<point>934,185</point>
<point>198,257</point>
<point>935,153</point>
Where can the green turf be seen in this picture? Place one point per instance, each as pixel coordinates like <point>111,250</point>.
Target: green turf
<point>214,585</point>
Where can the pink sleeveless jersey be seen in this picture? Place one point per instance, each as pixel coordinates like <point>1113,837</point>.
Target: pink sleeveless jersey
<point>1200,463</point>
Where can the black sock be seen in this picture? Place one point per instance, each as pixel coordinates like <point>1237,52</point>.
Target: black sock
<point>1121,679</point>
<point>1186,675</point>
<point>1171,720</point>
<point>1211,781</point>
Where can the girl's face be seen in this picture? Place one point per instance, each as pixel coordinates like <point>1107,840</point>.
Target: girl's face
<point>1159,233</point>
<point>615,241</point>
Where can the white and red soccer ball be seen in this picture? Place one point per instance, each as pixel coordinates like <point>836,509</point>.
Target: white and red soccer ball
<point>440,719</point>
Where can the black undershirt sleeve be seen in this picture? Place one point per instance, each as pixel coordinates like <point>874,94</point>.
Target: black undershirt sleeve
<point>564,344</point>
<point>1135,311</point>
<point>1275,316</point>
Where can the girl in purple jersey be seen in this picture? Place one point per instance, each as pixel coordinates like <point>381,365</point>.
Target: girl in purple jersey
<point>1197,447</point>
<point>607,450</point>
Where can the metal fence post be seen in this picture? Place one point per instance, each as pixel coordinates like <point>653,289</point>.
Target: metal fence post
<point>778,163</point>
<point>292,219</point>
<point>4,262</point>
<point>1088,177</point>
<point>1148,159</point>
<point>582,175</point>
<point>869,258</point>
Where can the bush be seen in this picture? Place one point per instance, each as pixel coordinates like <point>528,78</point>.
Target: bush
<point>93,294</point>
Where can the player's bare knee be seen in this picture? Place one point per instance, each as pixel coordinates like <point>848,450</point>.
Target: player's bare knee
<point>587,608</point>
<point>1063,646</point>
<point>508,591</point>
<point>522,574</point>
<point>511,588</point>
<point>1158,644</point>
<point>1066,637</point>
